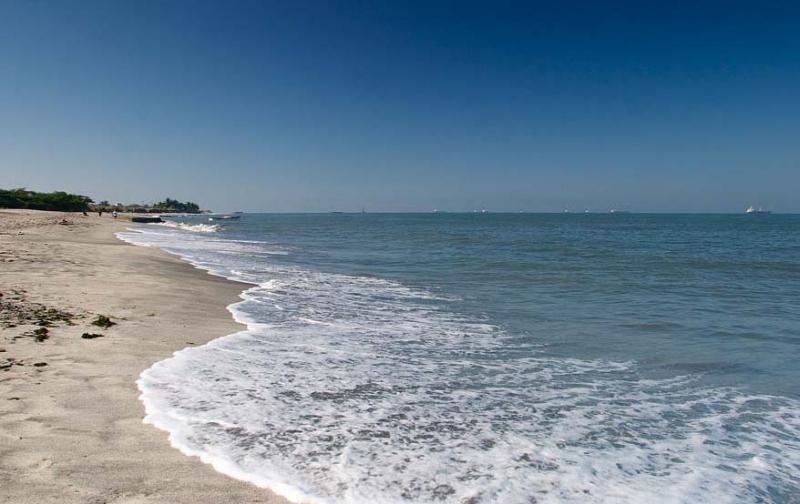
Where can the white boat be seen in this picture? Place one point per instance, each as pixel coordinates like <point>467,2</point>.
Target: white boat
<point>754,210</point>
<point>224,217</point>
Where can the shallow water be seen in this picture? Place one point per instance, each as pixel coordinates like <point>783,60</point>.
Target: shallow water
<point>495,358</point>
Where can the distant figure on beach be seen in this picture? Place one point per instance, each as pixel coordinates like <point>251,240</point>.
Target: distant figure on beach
<point>85,214</point>
<point>99,213</point>
<point>114,214</point>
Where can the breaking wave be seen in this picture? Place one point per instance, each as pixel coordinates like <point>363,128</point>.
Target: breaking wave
<point>196,228</point>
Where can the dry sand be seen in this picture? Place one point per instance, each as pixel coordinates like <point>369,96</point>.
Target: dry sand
<point>71,430</point>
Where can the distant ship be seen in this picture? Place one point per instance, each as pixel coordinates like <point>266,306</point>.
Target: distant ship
<point>754,210</point>
<point>614,210</point>
<point>236,216</point>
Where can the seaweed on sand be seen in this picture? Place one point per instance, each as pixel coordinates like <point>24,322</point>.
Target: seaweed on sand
<point>103,321</point>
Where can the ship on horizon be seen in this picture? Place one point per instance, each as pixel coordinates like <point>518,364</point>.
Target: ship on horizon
<point>753,210</point>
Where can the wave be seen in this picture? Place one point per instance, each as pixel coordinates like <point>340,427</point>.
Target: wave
<point>197,228</point>
<point>363,390</point>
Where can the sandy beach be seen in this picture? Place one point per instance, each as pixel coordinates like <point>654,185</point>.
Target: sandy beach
<point>70,422</point>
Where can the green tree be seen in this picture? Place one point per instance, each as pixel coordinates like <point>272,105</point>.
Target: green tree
<point>58,200</point>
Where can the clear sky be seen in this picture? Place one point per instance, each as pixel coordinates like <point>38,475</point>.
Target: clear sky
<point>318,106</point>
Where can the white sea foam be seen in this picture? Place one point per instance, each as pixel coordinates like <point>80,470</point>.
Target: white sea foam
<point>362,390</point>
<point>197,228</point>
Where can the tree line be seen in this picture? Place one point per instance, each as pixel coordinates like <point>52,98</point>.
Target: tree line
<point>65,202</point>
<point>175,206</point>
<point>58,200</point>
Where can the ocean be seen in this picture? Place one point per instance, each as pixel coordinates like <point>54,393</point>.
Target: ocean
<point>494,358</point>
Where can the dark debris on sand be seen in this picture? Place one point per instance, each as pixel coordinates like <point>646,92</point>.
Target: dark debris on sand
<point>15,310</point>
<point>35,320</point>
<point>6,364</point>
<point>103,321</point>
<point>39,334</point>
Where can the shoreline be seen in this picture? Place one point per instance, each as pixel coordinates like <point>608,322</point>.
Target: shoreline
<point>155,417</point>
<point>71,426</point>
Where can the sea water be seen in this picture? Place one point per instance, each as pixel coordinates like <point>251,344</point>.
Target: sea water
<point>508,358</point>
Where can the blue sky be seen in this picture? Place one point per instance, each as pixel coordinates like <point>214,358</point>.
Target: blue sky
<point>399,106</point>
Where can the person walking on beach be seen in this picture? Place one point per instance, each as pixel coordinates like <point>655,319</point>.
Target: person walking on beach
<point>114,214</point>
